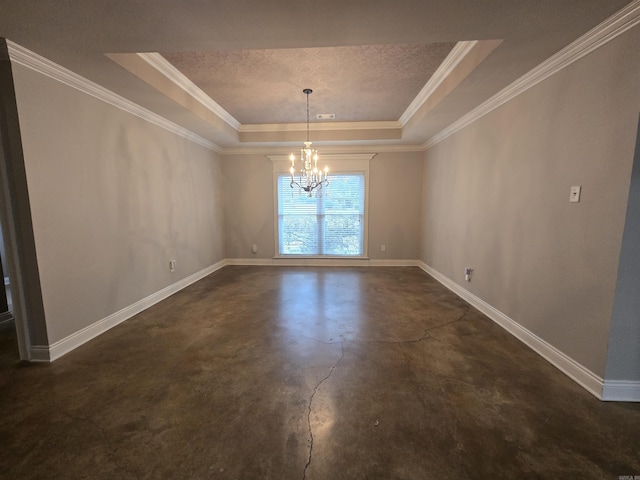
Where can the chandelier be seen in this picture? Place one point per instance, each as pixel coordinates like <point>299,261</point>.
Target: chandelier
<point>309,176</point>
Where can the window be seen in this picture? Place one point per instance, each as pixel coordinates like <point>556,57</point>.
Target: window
<point>332,224</point>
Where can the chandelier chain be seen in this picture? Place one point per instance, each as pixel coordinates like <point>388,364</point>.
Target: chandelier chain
<point>307,92</point>
<point>310,177</point>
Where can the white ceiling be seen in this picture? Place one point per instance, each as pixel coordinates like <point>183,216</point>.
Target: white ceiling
<point>370,62</point>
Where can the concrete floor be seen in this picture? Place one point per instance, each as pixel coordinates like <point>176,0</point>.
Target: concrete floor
<point>308,373</point>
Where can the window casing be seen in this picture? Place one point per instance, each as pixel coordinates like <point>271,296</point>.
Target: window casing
<point>330,224</point>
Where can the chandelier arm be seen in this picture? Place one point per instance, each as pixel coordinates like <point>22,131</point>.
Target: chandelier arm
<point>311,186</point>
<point>293,182</point>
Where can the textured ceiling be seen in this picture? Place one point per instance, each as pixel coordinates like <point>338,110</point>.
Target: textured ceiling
<point>365,59</point>
<point>265,86</point>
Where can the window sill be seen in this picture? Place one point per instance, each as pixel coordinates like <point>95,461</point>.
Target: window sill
<point>318,257</point>
<point>320,261</point>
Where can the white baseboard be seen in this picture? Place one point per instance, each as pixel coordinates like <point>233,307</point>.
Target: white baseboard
<point>393,263</point>
<point>621,391</point>
<point>577,372</point>
<point>321,262</point>
<point>39,354</point>
<point>73,341</point>
<point>624,391</point>
<point>262,262</point>
<point>301,262</point>
<point>43,353</point>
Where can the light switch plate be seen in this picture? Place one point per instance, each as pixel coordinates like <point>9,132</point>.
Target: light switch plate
<point>574,197</point>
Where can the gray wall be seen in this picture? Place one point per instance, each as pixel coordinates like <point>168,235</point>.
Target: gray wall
<point>113,198</point>
<point>395,182</point>
<point>248,206</point>
<point>395,186</point>
<point>496,198</point>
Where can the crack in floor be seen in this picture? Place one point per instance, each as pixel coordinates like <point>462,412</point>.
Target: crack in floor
<point>464,314</point>
<point>330,342</point>
<point>425,336</point>
<point>315,390</point>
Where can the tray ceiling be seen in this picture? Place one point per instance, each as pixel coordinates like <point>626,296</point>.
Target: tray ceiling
<point>233,72</point>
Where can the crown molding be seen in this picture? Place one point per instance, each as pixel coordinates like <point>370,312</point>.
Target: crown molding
<point>331,156</point>
<point>602,34</point>
<point>336,163</point>
<point>163,66</point>
<point>326,150</point>
<point>318,127</point>
<point>456,55</point>
<point>28,59</point>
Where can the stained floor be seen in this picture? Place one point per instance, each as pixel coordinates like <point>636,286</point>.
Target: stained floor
<point>308,373</point>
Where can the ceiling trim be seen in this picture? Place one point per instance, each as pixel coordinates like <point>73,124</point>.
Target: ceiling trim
<point>318,127</point>
<point>600,35</point>
<point>163,66</point>
<point>337,163</point>
<point>326,150</point>
<point>341,156</point>
<point>456,55</point>
<point>31,60</point>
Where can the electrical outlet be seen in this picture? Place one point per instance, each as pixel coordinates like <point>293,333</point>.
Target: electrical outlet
<point>467,273</point>
<point>383,248</point>
<point>254,248</point>
<point>172,265</point>
<point>574,196</point>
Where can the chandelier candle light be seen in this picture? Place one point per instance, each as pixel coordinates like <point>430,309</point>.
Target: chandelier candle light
<point>310,176</point>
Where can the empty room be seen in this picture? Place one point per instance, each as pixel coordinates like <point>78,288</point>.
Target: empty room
<point>320,240</point>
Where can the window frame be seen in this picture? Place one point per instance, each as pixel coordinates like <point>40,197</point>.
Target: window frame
<point>338,164</point>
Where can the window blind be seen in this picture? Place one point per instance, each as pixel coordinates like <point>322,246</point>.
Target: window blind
<point>332,224</point>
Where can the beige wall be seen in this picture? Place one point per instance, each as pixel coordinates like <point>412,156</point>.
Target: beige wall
<point>496,198</point>
<point>395,186</point>
<point>248,206</point>
<point>113,198</point>
<point>394,206</point>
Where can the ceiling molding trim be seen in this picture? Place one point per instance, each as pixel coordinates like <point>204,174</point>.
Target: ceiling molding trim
<point>318,127</point>
<point>337,163</point>
<point>338,156</point>
<point>39,64</point>
<point>163,66</point>
<point>600,35</point>
<point>326,150</point>
<point>456,55</point>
